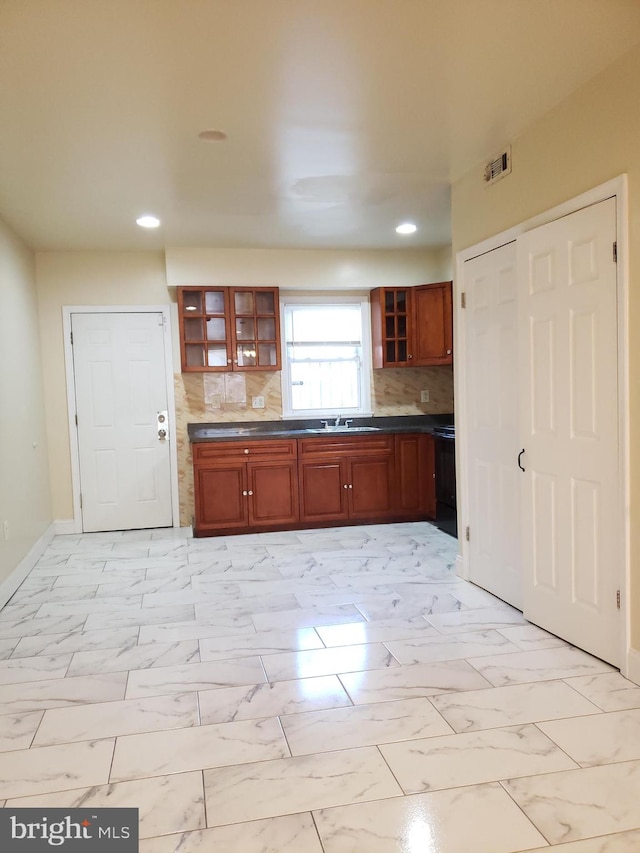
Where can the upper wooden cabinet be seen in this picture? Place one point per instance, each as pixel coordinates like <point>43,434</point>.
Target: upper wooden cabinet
<point>412,326</point>
<point>229,328</point>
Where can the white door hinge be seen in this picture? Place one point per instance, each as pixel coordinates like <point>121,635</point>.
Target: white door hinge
<point>463,300</point>
<point>615,253</point>
<point>467,535</point>
<point>618,599</point>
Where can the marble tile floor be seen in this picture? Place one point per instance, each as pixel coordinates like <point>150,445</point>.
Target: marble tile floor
<point>320,691</point>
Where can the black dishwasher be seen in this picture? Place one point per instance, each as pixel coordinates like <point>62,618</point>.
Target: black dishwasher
<point>445,446</point>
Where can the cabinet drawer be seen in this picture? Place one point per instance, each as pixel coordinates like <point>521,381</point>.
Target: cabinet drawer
<point>357,445</point>
<point>210,452</point>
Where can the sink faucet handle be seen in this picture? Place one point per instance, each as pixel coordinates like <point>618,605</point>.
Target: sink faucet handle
<point>348,421</point>
<point>325,423</point>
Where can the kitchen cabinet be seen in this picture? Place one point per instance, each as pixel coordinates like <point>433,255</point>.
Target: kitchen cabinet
<point>346,478</point>
<point>415,483</point>
<point>245,485</point>
<point>284,483</point>
<point>432,324</point>
<point>412,326</point>
<point>229,328</point>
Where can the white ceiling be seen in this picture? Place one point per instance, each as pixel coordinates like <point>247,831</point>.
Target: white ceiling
<point>344,117</point>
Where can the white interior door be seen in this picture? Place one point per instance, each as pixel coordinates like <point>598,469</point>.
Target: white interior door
<point>120,385</point>
<point>491,319</point>
<point>569,423</point>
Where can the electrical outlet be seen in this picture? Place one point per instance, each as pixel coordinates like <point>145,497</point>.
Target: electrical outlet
<point>257,402</point>
<point>424,396</point>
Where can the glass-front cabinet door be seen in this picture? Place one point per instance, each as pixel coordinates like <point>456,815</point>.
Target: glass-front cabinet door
<point>391,323</point>
<point>204,329</point>
<point>256,328</point>
<point>224,328</point>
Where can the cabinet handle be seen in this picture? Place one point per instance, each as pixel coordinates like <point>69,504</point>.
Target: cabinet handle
<point>448,352</point>
<point>519,458</point>
<point>228,361</point>
<point>409,356</point>
<point>246,450</point>
<point>350,486</point>
<point>345,486</point>
<point>250,492</point>
<point>244,492</point>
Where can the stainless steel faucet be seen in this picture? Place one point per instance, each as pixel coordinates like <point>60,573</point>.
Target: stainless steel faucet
<point>337,423</point>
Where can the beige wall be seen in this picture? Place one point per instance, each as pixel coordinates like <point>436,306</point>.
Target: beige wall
<point>83,278</point>
<point>306,269</point>
<point>102,278</point>
<point>590,138</point>
<point>25,502</point>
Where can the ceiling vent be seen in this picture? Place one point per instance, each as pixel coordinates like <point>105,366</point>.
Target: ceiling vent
<point>498,166</point>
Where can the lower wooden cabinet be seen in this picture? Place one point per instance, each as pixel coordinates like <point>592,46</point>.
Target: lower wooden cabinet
<point>248,485</point>
<point>415,487</point>
<point>316,481</point>
<point>346,477</point>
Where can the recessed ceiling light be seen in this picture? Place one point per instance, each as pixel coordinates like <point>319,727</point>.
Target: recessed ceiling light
<point>212,135</point>
<point>148,221</point>
<point>406,228</point>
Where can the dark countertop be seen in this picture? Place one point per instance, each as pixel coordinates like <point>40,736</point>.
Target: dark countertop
<point>248,430</point>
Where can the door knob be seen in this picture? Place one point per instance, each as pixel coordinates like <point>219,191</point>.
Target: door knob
<point>163,425</point>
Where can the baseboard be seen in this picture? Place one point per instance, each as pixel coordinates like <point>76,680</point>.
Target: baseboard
<point>461,568</point>
<point>10,585</point>
<point>65,527</point>
<point>633,666</point>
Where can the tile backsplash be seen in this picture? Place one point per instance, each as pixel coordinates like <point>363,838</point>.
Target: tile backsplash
<point>220,397</point>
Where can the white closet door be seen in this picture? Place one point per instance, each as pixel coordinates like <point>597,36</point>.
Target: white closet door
<point>120,379</point>
<point>569,426</point>
<point>491,319</point>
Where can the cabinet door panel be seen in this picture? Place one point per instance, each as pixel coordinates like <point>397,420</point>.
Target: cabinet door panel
<point>391,326</point>
<point>255,328</point>
<point>430,475</point>
<point>371,487</point>
<point>410,491</point>
<point>275,493</point>
<point>219,499</point>
<point>433,324</point>
<point>204,332</point>
<point>323,496</point>
<point>415,485</point>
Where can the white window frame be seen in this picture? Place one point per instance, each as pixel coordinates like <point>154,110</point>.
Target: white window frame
<point>326,298</point>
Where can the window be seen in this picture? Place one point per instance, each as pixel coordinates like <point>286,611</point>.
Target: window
<point>326,364</point>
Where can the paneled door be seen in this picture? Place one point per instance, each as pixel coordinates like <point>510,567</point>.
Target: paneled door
<point>571,513</point>
<point>491,375</point>
<point>121,406</point>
